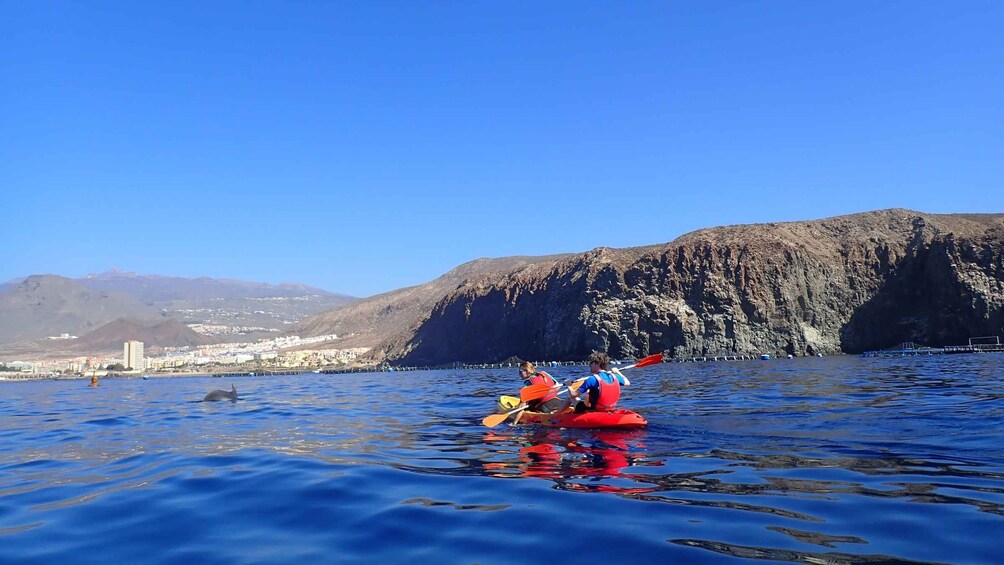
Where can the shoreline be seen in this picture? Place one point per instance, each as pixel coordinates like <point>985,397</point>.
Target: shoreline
<point>147,376</point>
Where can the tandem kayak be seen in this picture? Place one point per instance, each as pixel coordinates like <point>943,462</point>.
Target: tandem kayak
<point>619,418</point>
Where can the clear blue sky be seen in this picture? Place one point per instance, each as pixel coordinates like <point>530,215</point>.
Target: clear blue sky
<point>366,146</point>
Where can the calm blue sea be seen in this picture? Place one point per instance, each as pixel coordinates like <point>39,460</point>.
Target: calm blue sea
<point>839,459</point>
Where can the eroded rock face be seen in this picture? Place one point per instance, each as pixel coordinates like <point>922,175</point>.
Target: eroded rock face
<point>845,284</point>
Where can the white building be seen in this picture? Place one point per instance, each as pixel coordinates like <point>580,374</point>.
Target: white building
<point>132,355</point>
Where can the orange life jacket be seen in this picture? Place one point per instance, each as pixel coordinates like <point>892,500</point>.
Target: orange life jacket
<point>610,393</point>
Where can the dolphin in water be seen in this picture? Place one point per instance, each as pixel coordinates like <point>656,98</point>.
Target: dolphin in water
<point>222,395</point>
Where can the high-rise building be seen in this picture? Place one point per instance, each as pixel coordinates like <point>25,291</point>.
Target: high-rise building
<point>132,355</point>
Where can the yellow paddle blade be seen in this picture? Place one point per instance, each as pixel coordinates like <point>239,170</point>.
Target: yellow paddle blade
<point>494,419</point>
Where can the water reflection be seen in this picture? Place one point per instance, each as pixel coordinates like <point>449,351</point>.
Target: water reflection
<point>572,463</point>
<point>772,554</point>
<point>797,496</point>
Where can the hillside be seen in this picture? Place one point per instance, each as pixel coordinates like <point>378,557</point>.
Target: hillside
<point>224,302</point>
<point>844,284</point>
<point>48,305</point>
<point>367,322</point>
<point>155,336</point>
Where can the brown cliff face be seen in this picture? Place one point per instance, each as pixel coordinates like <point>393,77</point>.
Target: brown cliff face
<point>844,284</point>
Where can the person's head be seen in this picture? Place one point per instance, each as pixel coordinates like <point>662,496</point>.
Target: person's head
<point>599,361</point>
<point>526,369</point>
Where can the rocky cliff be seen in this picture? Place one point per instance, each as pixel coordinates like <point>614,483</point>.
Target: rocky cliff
<point>845,284</point>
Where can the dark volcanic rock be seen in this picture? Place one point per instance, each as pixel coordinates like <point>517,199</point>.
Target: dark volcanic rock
<point>843,284</point>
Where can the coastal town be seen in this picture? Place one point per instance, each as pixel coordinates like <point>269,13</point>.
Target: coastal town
<point>278,353</point>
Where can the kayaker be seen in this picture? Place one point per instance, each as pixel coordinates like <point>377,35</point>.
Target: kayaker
<point>601,389</point>
<point>531,376</point>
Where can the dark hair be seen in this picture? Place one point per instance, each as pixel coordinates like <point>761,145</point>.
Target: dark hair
<point>601,359</point>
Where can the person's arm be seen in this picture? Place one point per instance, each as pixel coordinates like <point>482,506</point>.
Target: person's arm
<point>519,415</point>
<point>577,393</point>
<point>620,375</point>
<point>593,382</point>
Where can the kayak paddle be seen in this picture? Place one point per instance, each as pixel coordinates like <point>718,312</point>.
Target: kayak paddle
<point>653,359</point>
<point>533,392</point>
<point>493,420</point>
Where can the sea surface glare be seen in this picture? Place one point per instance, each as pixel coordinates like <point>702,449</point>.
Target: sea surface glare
<point>838,459</point>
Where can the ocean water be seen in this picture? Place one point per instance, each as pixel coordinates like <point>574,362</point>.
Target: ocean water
<point>818,460</point>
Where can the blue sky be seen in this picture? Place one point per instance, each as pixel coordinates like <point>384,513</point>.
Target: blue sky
<point>367,146</point>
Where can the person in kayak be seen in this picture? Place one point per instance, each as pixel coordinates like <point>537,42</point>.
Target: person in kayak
<point>601,389</point>
<point>531,376</point>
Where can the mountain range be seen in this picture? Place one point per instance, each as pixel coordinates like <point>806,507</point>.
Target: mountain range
<point>163,289</point>
<point>48,305</point>
<point>837,285</point>
<point>42,306</point>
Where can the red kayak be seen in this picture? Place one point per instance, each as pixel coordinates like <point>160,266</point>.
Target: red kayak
<point>619,418</point>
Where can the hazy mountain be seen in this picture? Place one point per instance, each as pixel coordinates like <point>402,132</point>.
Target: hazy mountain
<point>48,305</point>
<point>161,289</point>
<point>253,310</point>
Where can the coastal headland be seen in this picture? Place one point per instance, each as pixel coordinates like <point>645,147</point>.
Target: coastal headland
<point>847,284</point>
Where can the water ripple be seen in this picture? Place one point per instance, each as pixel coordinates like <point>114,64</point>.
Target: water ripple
<point>841,460</point>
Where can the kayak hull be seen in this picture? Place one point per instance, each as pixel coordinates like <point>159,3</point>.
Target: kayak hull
<point>619,418</point>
